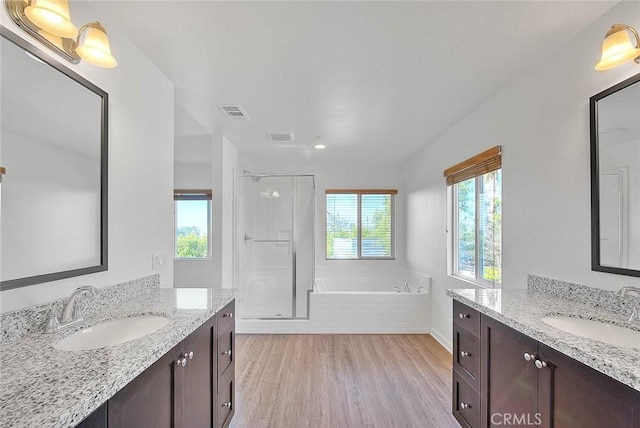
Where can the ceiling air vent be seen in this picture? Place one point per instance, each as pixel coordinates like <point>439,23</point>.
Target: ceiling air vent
<point>234,112</point>
<point>281,137</point>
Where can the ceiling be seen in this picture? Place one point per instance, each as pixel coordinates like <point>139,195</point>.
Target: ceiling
<point>376,80</point>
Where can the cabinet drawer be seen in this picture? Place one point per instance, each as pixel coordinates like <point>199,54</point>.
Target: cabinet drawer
<point>226,399</point>
<point>467,318</point>
<point>226,350</point>
<point>466,355</point>
<point>466,403</point>
<point>226,317</point>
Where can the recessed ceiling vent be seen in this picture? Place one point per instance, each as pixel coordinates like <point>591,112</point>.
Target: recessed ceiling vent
<point>281,137</point>
<point>234,112</point>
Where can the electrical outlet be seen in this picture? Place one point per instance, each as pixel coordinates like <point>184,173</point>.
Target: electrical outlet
<point>158,260</point>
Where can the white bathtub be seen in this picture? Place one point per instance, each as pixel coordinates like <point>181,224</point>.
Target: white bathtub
<point>352,301</point>
<point>366,285</point>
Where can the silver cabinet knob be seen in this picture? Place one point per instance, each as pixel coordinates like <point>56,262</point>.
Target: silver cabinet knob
<point>227,315</point>
<point>227,404</point>
<point>528,357</point>
<point>465,406</point>
<point>227,353</point>
<point>540,364</point>
<point>181,361</point>
<point>189,355</point>
<point>463,316</point>
<point>465,354</point>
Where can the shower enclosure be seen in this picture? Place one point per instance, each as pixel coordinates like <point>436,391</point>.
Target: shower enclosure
<point>274,242</point>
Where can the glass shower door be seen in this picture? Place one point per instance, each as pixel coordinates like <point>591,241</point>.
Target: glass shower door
<point>266,253</point>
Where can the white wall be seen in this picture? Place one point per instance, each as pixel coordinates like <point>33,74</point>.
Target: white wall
<point>140,166</point>
<point>541,119</point>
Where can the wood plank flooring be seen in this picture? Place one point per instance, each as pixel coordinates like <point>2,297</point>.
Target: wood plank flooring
<point>342,381</point>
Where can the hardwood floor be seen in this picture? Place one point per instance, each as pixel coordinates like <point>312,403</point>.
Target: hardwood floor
<point>342,381</point>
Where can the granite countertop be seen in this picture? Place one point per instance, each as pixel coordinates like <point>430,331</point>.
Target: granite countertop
<point>523,311</point>
<point>41,386</point>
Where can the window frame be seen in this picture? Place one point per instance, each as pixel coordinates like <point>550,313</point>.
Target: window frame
<point>477,279</point>
<point>474,168</point>
<point>359,192</point>
<point>192,195</point>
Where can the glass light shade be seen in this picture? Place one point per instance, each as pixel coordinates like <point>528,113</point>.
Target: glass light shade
<point>616,50</point>
<point>52,16</point>
<point>95,48</point>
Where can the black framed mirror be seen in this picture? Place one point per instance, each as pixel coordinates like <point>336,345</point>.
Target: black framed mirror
<point>54,148</point>
<point>615,178</point>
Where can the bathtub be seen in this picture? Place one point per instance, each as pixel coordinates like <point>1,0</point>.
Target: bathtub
<point>366,285</point>
<point>348,301</point>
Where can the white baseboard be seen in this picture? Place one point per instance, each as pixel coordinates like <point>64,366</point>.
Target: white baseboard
<point>442,340</point>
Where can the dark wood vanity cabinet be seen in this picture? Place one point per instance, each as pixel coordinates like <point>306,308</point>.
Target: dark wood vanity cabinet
<point>466,365</point>
<point>573,394</point>
<point>226,338</point>
<point>191,386</point>
<point>153,399</point>
<point>509,382</point>
<point>525,383</point>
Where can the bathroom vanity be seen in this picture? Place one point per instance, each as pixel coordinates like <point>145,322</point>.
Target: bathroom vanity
<point>192,385</point>
<point>180,375</point>
<point>510,368</point>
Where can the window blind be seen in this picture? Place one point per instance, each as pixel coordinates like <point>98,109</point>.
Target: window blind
<point>192,195</point>
<point>360,224</point>
<point>487,161</point>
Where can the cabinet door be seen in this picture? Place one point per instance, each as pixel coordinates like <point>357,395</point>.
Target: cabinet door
<point>578,396</point>
<point>466,403</point>
<point>226,338</point>
<point>509,382</point>
<point>152,400</point>
<point>198,385</point>
<point>226,398</point>
<point>466,355</point>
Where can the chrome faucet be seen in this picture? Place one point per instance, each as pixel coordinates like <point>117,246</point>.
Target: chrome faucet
<point>623,292</point>
<point>71,311</point>
<point>406,287</point>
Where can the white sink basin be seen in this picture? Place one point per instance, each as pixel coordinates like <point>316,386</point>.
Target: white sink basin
<point>112,333</point>
<point>596,330</point>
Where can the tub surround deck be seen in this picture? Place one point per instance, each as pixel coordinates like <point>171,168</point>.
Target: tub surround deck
<point>523,311</point>
<point>44,387</point>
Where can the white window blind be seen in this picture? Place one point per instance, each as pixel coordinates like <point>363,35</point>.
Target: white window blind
<point>360,224</point>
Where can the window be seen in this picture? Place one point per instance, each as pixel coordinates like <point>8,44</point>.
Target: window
<point>192,223</point>
<point>476,220</point>
<point>361,224</point>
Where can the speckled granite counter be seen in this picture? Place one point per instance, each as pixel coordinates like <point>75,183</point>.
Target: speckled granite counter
<point>523,311</point>
<point>44,387</point>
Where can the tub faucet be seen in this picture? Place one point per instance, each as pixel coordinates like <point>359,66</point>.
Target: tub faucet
<point>623,292</point>
<point>406,287</point>
<point>71,311</point>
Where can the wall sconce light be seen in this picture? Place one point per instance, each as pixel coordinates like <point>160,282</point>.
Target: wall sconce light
<point>617,47</point>
<point>49,22</point>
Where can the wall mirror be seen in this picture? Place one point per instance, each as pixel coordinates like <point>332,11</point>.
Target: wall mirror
<point>615,179</point>
<point>53,145</point>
